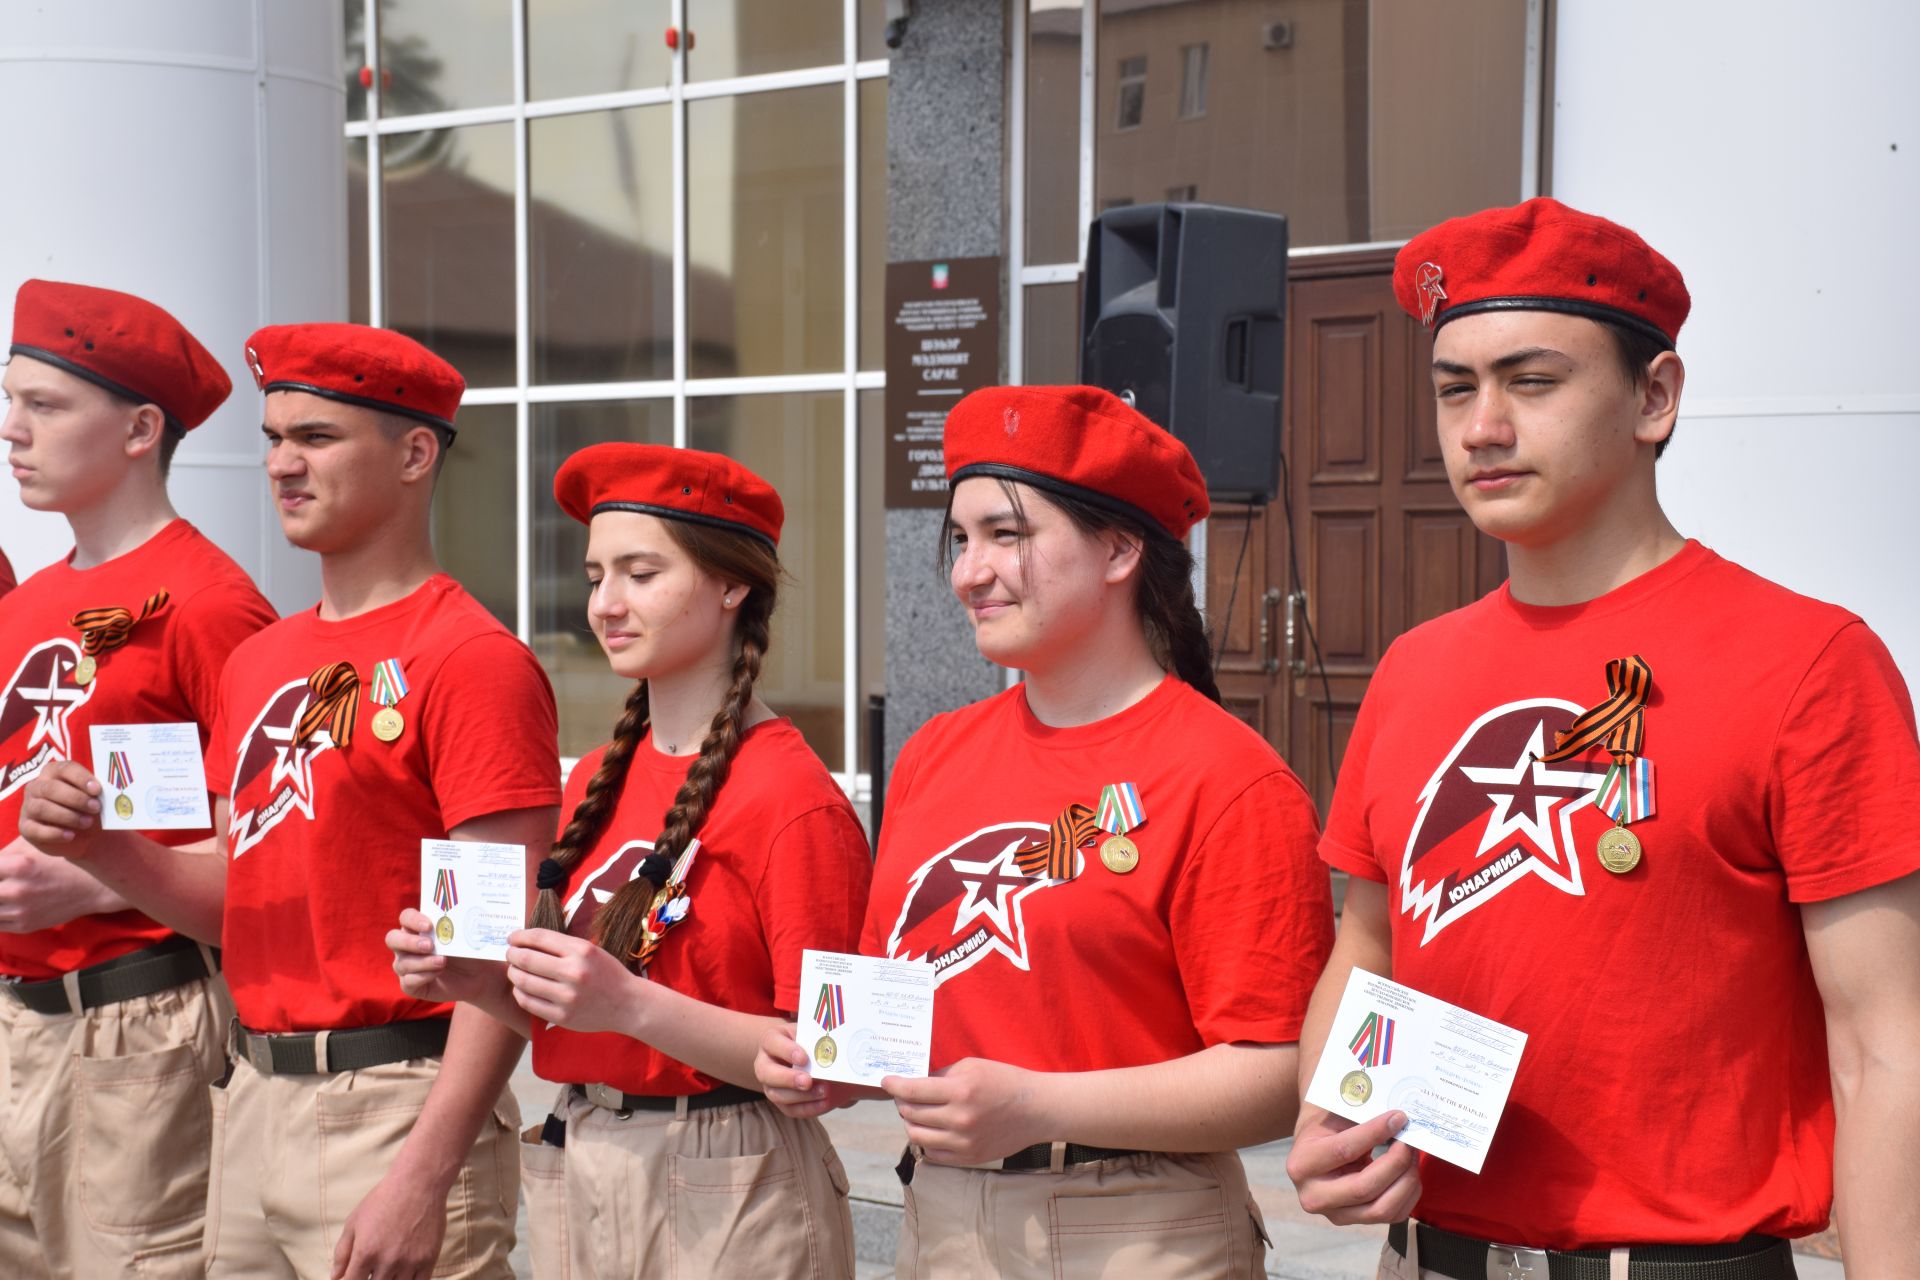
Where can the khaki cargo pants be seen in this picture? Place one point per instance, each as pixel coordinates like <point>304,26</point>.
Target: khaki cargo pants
<point>104,1134</point>
<point>1138,1217</point>
<point>295,1154</point>
<point>730,1192</point>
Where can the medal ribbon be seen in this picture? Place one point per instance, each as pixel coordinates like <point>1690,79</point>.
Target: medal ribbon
<point>831,1009</point>
<point>389,683</point>
<point>104,629</point>
<point>1052,855</point>
<point>1373,1043</point>
<point>1619,723</point>
<point>334,706</point>
<point>120,771</point>
<point>1120,810</point>
<point>669,907</point>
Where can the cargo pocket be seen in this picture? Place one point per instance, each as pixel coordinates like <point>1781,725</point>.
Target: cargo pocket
<point>1149,1235</point>
<point>360,1131</point>
<point>543,1180</point>
<point>145,1130</point>
<point>177,1262</point>
<point>741,1216</point>
<point>216,1163</point>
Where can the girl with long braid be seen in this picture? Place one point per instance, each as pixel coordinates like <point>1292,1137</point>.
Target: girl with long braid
<point>670,917</point>
<point>1113,876</point>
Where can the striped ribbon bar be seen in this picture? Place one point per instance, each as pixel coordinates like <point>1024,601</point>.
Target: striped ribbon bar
<point>389,683</point>
<point>1120,810</point>
<point>108,628</point>
<point>1626,793</point>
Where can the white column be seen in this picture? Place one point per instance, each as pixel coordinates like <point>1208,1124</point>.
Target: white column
<point>190,153</point>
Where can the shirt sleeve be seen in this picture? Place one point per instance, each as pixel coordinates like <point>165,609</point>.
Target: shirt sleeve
<point>1347,842</point>
<point>1844,774</point>
<point>219,754</point>
<point>813,893</point>
<point>1252,917</point>
<point>209,627</point>
<point>492,734</point>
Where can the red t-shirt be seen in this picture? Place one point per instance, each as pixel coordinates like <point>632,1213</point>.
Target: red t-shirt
<point>1215,937</point>
<point>168,672</point>
<point>7,580</point>
<point>324,841</point>
<point>1674,1087</point>
<point>783,866</point>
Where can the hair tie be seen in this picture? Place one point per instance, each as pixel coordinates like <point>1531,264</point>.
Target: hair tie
<point>551,875</point>
<point>656,867</point>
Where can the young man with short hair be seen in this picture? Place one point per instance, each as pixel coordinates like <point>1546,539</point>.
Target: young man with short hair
<point>111,1024</point>
<point>1639,803</point>
<point>363,1133</point>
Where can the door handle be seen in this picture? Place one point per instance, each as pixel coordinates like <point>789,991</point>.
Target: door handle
<point>1296,601</point>
<point>1269,663</point>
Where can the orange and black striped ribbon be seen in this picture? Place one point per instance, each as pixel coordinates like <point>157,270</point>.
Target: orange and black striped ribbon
<point>334,706</point>
<point>1619,723</point>
<point>1053,856</point>
<point>104,629</point>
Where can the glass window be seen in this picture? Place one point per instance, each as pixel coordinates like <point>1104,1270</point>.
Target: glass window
<point>577,47</point>
<point>1133,93</point>
<point>353,60</point>
<point>765,282</point>
<point>436,55</point>
<point>1053,131</point>
<point>872,21</point>
<point>1325,121</point>
<point>447,245</point>
<point>1052,355</point>
<point>749,37</point>
<point>357,266</point>
<point>795,443</point>
<point>588,693</point>
<point>1193,81</point>
<point>873,223</point>
<point>600,245</point>
<point>474,509</point>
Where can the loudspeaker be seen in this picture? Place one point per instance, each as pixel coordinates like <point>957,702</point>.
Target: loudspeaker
<point>1185,314</point>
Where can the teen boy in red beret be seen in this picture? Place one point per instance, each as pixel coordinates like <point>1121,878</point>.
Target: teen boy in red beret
<point>397,710</point>
<point>110,1025</point>
<point>1714,959</point>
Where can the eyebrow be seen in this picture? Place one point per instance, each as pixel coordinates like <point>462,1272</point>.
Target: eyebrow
<point>1505,362</point>
<point>628,557</point>
<point>311,424</point>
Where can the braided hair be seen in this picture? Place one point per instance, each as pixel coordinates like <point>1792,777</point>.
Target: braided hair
<point>730,557</point>
<point>1163,599</point>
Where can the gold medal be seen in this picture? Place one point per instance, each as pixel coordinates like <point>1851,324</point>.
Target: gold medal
<point>1355,1088</point>
<point>444,930</point>
<point>1619,850</point>
<point>123,805</point>
<point>825,1051</point>
<point>388,724</point>
<point>85,670</point>
<point>1119,854</point>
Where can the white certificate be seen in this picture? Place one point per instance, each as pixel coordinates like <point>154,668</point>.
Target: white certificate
<point>1395,1049</point>
<point>151,777</point>
<point>475,894</point>
<point>863,1018</point>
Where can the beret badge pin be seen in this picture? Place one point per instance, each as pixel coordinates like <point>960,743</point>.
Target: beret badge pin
<point>1011,419</point>
<point>259,371</point>
<point>1427,282</point>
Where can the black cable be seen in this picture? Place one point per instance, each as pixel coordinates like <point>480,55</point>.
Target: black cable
<point>1219,647</point>
<point>1313,641</point>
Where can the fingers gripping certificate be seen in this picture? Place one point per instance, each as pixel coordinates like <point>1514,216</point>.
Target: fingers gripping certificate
<point>862,1019</point>
<point>475,894</point>
<point>1395,1049</point>
<point>151,777</point>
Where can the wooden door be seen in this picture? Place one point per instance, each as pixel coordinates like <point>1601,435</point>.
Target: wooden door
<point>1376,543</point>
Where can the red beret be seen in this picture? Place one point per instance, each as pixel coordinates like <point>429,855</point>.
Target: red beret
<point>674,484</point>
<point>1540,256</point>
<point>120,342</point>
<point>1081,442</point>
<point>357,364</point>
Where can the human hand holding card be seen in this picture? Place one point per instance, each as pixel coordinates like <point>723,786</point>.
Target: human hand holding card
<point>475,893</point>
<point>151,777</point>
<point>862,1018</point>
<point>1394,1048</point>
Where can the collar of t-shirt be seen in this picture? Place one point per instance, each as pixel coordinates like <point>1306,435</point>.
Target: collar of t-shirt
<point>1080,736</point>
<point>1662,577</point>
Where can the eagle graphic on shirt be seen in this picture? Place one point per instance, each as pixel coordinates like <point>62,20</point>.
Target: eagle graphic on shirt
<point>273,774</point>
<point>965,902</point>
<point>35,710</point>
<point>1493,815</point>
<point>597,887</point>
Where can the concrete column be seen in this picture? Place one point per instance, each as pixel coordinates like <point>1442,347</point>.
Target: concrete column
<point>946,193</point>
<point>192,154</point>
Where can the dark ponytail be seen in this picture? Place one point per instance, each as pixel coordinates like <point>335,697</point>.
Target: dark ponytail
<point>619,926</point>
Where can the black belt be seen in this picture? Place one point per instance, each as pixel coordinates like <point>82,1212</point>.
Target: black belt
<point>611,1099</point>
<point>160,967</point>
<point>1465,1258</point>
<point>351,1049</point>
<point>1037,1156</point>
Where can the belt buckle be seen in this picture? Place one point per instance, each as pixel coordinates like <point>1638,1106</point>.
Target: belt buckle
<point>1513,1262</point>
<point>605,1097</point>
<point>259,1052</point>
